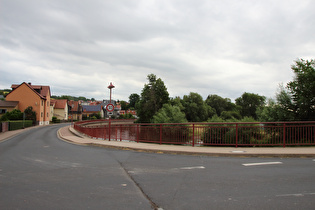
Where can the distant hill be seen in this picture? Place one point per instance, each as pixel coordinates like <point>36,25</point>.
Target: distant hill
<point>73,98</point>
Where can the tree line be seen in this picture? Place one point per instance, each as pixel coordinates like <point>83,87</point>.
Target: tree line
<point>293,102</point>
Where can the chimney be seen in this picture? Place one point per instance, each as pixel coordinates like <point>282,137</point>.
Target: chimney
<point>30,83</point>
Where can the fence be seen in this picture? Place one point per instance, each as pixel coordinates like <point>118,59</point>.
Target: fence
<point>204,134</point>
<point>15,125</point>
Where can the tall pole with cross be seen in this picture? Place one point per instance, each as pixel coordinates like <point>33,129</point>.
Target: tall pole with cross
<point>110,108</point>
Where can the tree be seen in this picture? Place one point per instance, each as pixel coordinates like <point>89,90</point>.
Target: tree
<point>30,114</point>
<point>196,109</point>
<point>249,103</point>
<point>153,96</point>
<point>230,115</point>
<point>133,99</point>
<point>220,104</point>
<point>124,105</point>
<point>302,89</point>
<point>177,102</point>
<point>5,92</point>
<point>169,114</point>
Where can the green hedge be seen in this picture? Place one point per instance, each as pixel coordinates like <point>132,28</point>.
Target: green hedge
<point>15,125</point>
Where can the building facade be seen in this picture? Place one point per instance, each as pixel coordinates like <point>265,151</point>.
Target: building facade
<point>36,96</point>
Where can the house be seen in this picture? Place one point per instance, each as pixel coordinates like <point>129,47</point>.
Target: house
<point>89,110</point>
<point>52,107</point>
<point>133,112</point>
<point>8,106</point>
<point>36,96</point>
<point>60,108</point>
<point>75,110</point>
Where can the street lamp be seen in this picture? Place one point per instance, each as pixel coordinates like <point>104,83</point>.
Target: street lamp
<point>110,87</point>
<point>110,107</point>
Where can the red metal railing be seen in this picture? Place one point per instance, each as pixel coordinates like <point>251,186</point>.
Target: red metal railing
<point>204,134</point>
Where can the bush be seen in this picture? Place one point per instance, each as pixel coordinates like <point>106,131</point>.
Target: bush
<point>13,115</point>
<point>55,120</point>
<point>226,133</point>
<point>126,116</point>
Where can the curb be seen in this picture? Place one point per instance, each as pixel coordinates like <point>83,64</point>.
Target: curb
<point>175,152</point>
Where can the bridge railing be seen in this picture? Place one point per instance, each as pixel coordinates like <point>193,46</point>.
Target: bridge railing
<point>204,134</point>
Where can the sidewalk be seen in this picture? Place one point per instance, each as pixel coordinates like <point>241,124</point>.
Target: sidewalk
<point>69,134</point>
<point>8,134</point>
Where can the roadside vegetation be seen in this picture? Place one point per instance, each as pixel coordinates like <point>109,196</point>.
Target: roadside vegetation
<point>294,102</point>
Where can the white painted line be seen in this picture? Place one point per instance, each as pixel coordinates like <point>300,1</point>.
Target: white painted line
<point>295,195</point>
<point>237,151</point>
<point>259,164</point>
<point>194,167</point>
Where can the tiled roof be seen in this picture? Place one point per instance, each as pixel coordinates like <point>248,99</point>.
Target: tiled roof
<point>8,103</point>
<point>41,90</point>
<point>60,103</point>
<point>74,106</point>
<point>88,108</point>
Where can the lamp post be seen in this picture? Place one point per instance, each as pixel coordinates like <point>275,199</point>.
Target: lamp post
<point>110,107</point>
<point>110,87</point>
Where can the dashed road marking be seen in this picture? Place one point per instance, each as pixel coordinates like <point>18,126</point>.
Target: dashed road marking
<point>263,163</point>
<point>194,167</point>
<point>238,151</point>
<point>295,195</point>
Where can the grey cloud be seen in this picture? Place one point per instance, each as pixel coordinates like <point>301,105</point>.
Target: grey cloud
<point>210,47</point>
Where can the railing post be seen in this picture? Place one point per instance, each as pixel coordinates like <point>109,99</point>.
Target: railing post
<point>284,132</point>
<point>138,133</point>
<point>236,133</point>
<point>105,132</point>
<point>116,135</point>
<point>120,132</point>
<point>160,133</point>
<point>109,129</point>
<point>193,136</point>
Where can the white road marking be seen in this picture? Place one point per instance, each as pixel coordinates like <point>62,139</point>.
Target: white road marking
<point>194,167</point>
<point>259,164</point>
<point>238,151</point>
<point>295,195</point>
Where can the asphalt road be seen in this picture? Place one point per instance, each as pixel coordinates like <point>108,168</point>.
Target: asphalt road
<point>39,171</point>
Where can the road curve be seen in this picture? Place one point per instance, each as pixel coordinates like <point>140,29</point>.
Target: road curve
<point>39,171</point>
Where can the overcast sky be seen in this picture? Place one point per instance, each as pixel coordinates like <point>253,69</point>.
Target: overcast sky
<point>222,47</point>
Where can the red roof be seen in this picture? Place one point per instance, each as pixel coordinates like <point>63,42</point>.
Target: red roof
<point>74,105</point>
<point>60,103</point>
<point>41,90</point>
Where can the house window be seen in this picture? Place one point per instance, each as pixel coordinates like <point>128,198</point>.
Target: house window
<point>3,111</point>
<point>42,103</point>
<point>41,114</point>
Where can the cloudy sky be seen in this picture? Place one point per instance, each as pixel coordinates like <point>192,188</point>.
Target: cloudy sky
<point>222,47</point>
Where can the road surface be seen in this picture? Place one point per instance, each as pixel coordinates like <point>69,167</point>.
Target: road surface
<point>40,171</point>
